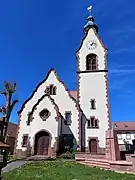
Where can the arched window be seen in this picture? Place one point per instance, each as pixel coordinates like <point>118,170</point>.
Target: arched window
<point>91,62</point>
<point>92,123</point>
<point>50,90</point>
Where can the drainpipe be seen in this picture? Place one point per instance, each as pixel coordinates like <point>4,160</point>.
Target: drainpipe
<point>60,135</point>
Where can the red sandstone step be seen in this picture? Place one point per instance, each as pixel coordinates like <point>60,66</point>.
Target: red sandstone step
<point>91,159</point>
<point>96,165</point>
<point>126,163</point>
<point>80,159</point>
<point>99,166</point>
<point>97,160</point>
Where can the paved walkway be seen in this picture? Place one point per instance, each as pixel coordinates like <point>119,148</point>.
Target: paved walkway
<point>13,165</point>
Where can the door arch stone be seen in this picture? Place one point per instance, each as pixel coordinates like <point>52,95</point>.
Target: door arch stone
<point>42,143</point>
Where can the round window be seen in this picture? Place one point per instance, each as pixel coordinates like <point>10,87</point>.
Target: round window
<point>44,114</point>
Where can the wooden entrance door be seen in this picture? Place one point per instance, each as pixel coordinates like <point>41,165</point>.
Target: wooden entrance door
<point>43,145</point>
<point>93,146</point>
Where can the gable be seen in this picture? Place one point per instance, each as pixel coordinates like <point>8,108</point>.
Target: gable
<point>51,78</point>
<point>49,99</point>
<point>45,102</point>
<point>91,34</point>
<point>83,51</point>
<point>34,92</point>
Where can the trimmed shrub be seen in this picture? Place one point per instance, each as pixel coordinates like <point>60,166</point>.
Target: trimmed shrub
<point>67,155</point>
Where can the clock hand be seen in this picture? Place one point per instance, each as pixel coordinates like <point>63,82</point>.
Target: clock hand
<point>92,43</point>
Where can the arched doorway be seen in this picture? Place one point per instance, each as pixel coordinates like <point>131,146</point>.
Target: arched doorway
<point>42,143</point>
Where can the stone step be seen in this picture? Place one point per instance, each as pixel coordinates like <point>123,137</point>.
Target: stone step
<point>80,159</point>
<point>98,163</point>
<point>91,159</point>
<point>106,163</point>
<point>104,166</point>
<point>107,167</point>
<point>97,160</point>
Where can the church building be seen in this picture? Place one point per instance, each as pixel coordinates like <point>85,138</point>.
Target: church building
<point>55,120</point>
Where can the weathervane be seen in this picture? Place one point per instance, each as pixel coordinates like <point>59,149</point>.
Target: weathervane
<point>89,9</point>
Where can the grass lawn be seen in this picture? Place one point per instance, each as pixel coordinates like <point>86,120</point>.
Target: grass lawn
<point>62,170</point>
<point>12,157</point>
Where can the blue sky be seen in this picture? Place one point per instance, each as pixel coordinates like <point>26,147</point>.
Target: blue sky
<point>38,35</point>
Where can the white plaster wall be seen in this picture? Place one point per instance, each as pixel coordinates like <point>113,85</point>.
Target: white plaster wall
<point>51,125</point>
<point>62,99</point>
<point>84,51</point>
<point>37,124</point>
<point>124,136</point>
<point>92,86</point>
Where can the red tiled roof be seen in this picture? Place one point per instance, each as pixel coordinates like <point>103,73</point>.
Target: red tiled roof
<point>3,145</point>
<point>125,126</point>
<point>73,94</point>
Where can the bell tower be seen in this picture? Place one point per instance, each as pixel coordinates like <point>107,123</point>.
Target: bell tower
<point>93,87</point>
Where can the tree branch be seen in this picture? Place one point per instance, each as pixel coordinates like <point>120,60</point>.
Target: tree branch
<point>3,110</point>
<point>3,93</point>
<point>13,104</point>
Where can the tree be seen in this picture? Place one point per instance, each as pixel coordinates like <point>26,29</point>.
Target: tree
<point>6,110</point>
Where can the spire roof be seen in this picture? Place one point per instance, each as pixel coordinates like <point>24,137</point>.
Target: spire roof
<point>90,21</point>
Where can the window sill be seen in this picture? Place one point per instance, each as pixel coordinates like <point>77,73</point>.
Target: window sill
<point>88,71</point>
<point>24,146</point>
<point>92,127</point>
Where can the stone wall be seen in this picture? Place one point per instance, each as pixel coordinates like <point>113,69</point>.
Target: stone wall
<point>112,147</point>
<point>121,166</point>
<point>101,162</point>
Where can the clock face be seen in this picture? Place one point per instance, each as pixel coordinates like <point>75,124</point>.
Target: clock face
<point>91,44</point>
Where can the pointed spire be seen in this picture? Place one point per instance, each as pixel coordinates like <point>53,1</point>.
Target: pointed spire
<point>90,23</point>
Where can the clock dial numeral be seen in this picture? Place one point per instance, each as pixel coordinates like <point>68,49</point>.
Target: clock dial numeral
<point>91,44</point>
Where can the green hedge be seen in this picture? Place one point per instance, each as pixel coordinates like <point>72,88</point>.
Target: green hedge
<point>67,155</point>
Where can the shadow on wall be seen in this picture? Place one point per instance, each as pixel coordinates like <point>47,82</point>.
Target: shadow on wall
<point>67,140</point>
<point>29,149</point>
<point>83,133</point>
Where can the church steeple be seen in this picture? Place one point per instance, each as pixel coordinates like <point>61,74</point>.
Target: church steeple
<point>91,21</point>
<point>93,95</point>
